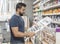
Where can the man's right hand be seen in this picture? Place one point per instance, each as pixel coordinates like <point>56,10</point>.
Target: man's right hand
<point>30,34</point>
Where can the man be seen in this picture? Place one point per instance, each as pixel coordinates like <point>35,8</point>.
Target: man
<point>17,25</point>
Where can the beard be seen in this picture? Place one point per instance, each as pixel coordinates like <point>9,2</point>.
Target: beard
<point>20,14</point>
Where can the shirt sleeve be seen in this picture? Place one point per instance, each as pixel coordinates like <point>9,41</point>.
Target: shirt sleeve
<point>13,23</point>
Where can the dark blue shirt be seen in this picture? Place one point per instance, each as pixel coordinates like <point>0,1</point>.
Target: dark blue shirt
<point>16,21</point>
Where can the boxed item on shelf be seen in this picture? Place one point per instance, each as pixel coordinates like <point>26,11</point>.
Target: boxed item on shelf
<point>50,11</point>
<point>36,10</point>
<point>37,5</point>
<point>59,10</point>
<point>44,12</point>
<point>48,36</point>
<point>55,11</point>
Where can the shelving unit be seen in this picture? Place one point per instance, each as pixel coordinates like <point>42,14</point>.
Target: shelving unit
<point>54,14</point>
<point>37,1</point>
<point>36,10</point>
<point>50,8</point>
<point>56,22</point>
<point>45,1</point>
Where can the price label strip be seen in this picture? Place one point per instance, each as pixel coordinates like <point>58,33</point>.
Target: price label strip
<point>40,25</point>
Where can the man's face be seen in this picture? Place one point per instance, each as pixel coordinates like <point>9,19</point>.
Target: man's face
<point>22,10</point>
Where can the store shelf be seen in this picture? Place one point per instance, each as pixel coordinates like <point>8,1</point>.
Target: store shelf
<point>56,22</point>
<point>54,6</point>
<point>35,14</point>
<point>36,7</point>
<point>36,10</point>
<point>37,1</point>
<point>51,14</point>
<point>46,1</point>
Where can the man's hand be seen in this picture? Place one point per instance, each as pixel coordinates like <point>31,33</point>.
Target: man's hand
<point>30,34</point>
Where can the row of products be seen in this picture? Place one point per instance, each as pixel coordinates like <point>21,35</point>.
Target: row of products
<point>43,1</point>
<point>52,11</point>
<point>36,16</point>
<point>47,36</point>
<point>55,19</point>
<point>53,25</point>
<point>51,3</point>
<point>37,5</point>
<point>36,9</point>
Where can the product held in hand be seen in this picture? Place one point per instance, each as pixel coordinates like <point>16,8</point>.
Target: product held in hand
<point>40,25</point>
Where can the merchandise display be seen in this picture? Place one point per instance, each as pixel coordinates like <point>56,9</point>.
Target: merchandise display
<point>48,8</point>
<point>49,35</point>
<point>52,12</point>
<point>36,9</point>
<point>40,25</point>
<point>51,4</point>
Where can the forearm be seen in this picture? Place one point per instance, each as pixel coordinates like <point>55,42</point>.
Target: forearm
<point>20,34</point>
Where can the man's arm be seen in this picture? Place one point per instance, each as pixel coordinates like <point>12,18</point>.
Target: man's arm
<point>17,33</point>
<point>15,30</point>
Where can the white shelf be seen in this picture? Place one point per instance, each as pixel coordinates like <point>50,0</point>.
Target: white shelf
<point>56,22</point>
<point>53,6</point>
<point>51,14</point>
<point>35,15</point>
<point>37,6</point>
<point>46,1</point>
<point>36,10</point>
<point>37,1</point>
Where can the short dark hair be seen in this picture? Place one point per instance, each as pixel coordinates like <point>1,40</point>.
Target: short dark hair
<point>19,5</point>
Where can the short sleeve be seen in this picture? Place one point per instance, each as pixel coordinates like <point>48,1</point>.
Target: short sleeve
<point>13,23</point>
